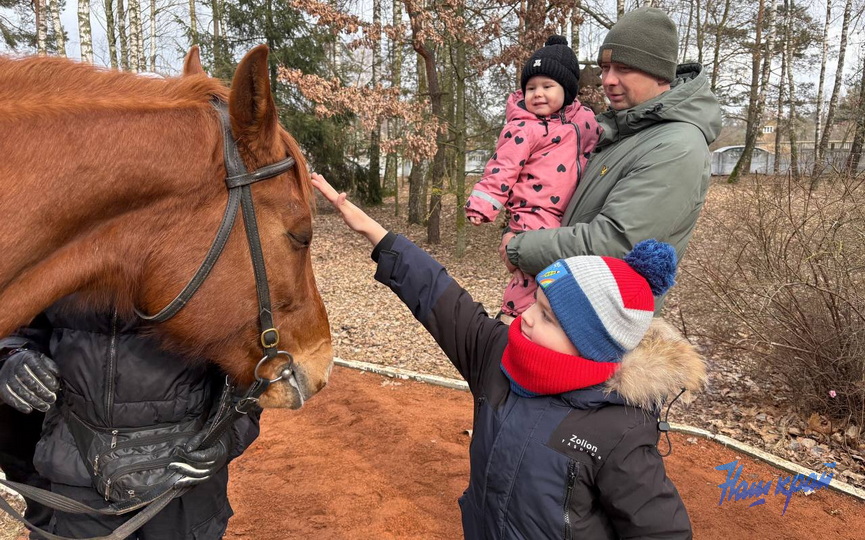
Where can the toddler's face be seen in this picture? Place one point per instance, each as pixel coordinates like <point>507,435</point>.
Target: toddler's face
<point>541,327</point>
<point>544,96</point>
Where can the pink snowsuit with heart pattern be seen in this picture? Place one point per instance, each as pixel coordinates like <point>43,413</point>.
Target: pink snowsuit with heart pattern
<point>534,172</point>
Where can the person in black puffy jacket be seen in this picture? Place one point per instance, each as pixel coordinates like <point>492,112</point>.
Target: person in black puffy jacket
<point>97,373</point>
<point>566,399</point>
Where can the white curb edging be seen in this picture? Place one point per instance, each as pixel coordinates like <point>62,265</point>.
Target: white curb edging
<point>457,384</point>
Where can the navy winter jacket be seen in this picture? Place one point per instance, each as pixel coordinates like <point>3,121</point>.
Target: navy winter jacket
<point>581,465</point>
<point>114,376</point>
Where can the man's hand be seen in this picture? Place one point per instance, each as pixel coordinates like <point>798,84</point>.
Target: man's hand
<point>197,465</point>
<point>29,380</point>
<point>354,217</point>
<point>503,252</point>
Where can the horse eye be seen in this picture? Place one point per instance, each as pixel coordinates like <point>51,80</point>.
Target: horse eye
<point>301,240</point>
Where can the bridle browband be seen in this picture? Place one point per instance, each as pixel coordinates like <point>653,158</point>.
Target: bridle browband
<point>238,181</point>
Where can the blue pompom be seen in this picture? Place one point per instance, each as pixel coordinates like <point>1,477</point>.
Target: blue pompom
<point>655,261</point>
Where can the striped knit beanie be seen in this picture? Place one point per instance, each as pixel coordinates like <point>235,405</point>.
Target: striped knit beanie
<point>604,304</point>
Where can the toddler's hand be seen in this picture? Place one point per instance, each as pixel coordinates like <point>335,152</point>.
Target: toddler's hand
<point>354,217</point>
<point>475,220</point>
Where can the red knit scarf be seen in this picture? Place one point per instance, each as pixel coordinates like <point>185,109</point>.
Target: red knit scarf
<point>535,370</point>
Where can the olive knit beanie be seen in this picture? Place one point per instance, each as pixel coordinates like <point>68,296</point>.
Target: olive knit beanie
<point>557,61</point>
<point>645,39</point>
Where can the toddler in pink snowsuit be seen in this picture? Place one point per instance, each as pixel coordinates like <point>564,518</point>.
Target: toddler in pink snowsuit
<point>539,157</point>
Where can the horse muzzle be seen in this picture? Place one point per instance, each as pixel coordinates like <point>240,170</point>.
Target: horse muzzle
<point>291,385</point>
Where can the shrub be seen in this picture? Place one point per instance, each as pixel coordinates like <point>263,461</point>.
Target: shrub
<point>788,277</point>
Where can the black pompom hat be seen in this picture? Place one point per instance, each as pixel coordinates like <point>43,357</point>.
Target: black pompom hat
<point>557,61</point>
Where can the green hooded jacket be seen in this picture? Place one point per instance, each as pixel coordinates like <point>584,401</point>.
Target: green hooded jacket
<point>647,178</point>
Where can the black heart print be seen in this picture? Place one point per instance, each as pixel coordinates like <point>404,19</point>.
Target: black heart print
<point>504,187</point>
<point>522,204</point>
<point>554,199</point>
<point>561,168</point>
<point>516,217</point>
<point>495,170</point>
<point>557,139</point>
<point>537,187</point>
<point>508,135</point>
<point>518,140</point>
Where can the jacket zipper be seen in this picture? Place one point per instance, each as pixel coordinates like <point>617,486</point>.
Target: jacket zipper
<point>142,441</point>
<point>572,479</point>
<point>579,151</point>
<point>110,370</point>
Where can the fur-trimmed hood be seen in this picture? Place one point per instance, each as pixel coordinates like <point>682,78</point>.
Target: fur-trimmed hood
<point>659,368</point>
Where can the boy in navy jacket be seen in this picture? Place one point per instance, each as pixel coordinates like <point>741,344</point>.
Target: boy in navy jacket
<point>566,398</point>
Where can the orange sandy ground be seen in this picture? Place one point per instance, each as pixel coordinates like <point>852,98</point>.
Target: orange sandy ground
<point>374,458</point>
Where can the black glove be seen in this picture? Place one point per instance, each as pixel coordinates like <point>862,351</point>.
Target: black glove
<point>197,466</point>
<point>29,380</point>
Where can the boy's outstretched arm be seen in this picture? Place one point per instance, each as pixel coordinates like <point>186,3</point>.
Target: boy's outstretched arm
<point>467,335</point>
<point>354,217</point>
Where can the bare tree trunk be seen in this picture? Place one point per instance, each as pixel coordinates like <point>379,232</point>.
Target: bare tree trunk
<point>373,183</point>
<point>416,192</point>
<point>620,9</point>
<point>791,96</point>
<point>41,12</point>
<point>110,33</point>
<point>417,177</point>
<point>823,62</point>
<point>153,35</point>
<point>121,31</point>
<point>819,161</point>
<point>852,165</point>
<point>142,59</point>
<point>719,32</point>
<point>133,9</point>
<point>423,48</point>
<point>193,26</point>
<point>392,173</point>
<point>576,23</point>
<point>776,167</point>
<point>84,34</point>
<point>699,32</point>
<point>460,143</point>
<point>684,50</point>
<point>743,166</point>
<point>59,35</point>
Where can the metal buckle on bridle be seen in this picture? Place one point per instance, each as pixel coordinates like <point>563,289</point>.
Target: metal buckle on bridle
<point>286,372</point>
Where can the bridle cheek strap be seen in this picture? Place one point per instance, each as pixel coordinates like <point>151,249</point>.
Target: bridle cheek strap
<point>238,181</point>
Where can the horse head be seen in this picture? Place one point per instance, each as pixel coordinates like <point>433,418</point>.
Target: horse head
<point>227,309</point>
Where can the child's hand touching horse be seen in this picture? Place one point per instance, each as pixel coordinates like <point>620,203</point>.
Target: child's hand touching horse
<point>354,217</point>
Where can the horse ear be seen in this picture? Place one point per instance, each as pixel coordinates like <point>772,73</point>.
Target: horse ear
<point>192,62</point>
<point>253,112</point>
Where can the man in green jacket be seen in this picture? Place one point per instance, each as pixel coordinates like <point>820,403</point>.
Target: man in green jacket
<point>649,173</point>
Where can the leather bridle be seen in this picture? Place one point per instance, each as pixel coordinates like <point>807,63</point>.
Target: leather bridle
<point>238,181</point>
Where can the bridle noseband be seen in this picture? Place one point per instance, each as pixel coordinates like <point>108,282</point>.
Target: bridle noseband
<point>238,181</point>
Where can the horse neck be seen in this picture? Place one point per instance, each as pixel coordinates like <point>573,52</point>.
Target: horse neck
<point>88,197</point>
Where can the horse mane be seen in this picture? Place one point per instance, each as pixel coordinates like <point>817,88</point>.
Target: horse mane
<point>35,87</point>
<point>39,86</point>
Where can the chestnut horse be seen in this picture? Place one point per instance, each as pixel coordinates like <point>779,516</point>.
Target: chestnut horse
<point>113,185</point>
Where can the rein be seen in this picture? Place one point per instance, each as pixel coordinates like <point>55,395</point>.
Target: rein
<point>238,182</point>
